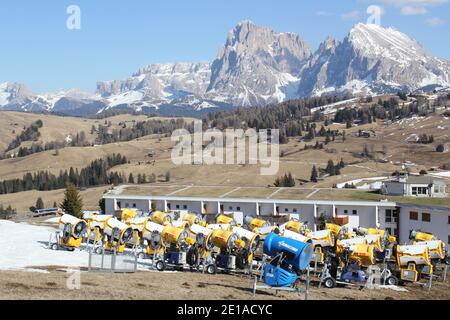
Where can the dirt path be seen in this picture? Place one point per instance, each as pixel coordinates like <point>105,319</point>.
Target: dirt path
<point>178,286</point>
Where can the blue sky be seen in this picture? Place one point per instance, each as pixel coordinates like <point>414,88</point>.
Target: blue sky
<point>117,37</point>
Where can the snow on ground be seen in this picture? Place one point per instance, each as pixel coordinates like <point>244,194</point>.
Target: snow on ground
<point>367,186</point>
<point>23,245</point>
<point>445,174</point>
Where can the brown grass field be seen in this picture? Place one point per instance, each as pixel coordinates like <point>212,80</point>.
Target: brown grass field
<point>184,286</point>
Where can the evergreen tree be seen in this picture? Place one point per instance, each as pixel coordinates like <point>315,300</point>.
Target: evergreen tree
<point>131,179</point>
<point>72,203</point>
<point>314,174</point>
<point>39,204</point>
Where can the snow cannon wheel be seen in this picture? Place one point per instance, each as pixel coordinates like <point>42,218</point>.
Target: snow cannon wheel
<point>54,246</point>
<point>160,266</point>
<point>392,281</point>
<point>329,283</point>
<point>211,269</point>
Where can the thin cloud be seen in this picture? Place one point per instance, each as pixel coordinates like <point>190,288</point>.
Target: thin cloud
<point>352,15</point>
<point>435,22</point>
<point>412,11</point>
<point>324,13</point>
<point>415,7</point>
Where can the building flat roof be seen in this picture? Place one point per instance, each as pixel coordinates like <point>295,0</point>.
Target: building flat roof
<point>252,200</point>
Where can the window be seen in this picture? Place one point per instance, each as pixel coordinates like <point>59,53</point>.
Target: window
<point>417,191</point>
<point>295,211</point>
<point>413,215</point>
<point>388,217</point>
<point>238,208</point>
<point>355,212</point>
<point>426,217</point>
<point>448,219</point>
<point>127,205</point>
<point>345,211</point>
<point>230,208</point>
<point>177,206</point>
<point>185,207</point>
<point>134,205</point>
<point>448,240</point>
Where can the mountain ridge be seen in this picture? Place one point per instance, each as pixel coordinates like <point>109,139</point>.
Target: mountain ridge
<point>256,66</point>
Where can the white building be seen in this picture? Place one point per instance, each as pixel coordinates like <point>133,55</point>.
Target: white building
<point>414,186</point>
<point>397,218</point>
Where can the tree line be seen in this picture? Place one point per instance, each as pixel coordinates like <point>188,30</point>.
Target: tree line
<point>95,174</point>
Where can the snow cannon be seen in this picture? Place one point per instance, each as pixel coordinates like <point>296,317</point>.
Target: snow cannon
<point>117,235</point>
<point>412,259</point>
<point>177,237</point>
<point>296,236</point>
<point>151,235</point>
<point>362,254</point>
<point>71,232</point>
<point>295,226</point>
<point>251,240</point>
<point>419,236</point>
<point>203,236</point>
<point>338,231</point>
<point>161,218</point>
<point>192,219</point>
<point>128,214</point>
<point>223,219</point>
<point>253,223</point>
<point>96,226</point>
<point>288,257</point>
<point>296,254</point>
<point>226,240</point>
<point>437,249</point>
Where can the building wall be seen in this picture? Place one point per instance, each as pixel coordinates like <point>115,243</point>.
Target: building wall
<point>439,224</point>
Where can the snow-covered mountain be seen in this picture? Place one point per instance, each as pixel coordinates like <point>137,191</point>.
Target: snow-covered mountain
<point>255,66</point>
<point>372,59</point>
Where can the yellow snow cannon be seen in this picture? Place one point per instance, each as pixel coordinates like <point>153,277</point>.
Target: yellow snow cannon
<point>200,254</point>
<point>117,234</point>
<point>437,248</point>
<point>412,259</point>
<point>321,240</point>
<point>226,240</point>
<point>177,237</point>
<point>230,248</point>
<point>161,218</point>
<point>253,223</point>
<point>138,225</point>
<point>70,234</point>
<point>192,219</point>
<point>295,226</point>
<point>128,214</point>
<point>224,219</point>
<point>419,236</point>
<point>363,254</point>
<point>96,226</point>
<point>251,240</point>
<point>339,232</point>
<point>151,234</point>
<point>176,242</point>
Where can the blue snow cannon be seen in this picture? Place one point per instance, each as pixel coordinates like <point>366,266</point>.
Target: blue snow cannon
<point>297,254</point>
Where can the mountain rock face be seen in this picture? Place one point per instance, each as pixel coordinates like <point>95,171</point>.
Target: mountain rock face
<point>372,59</point>
<point>256,66</point>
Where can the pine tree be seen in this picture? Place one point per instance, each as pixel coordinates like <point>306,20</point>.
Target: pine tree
<point>314,174</point>
<point>39,204</point>
<point>131,179</point>
<point>72,204</point>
